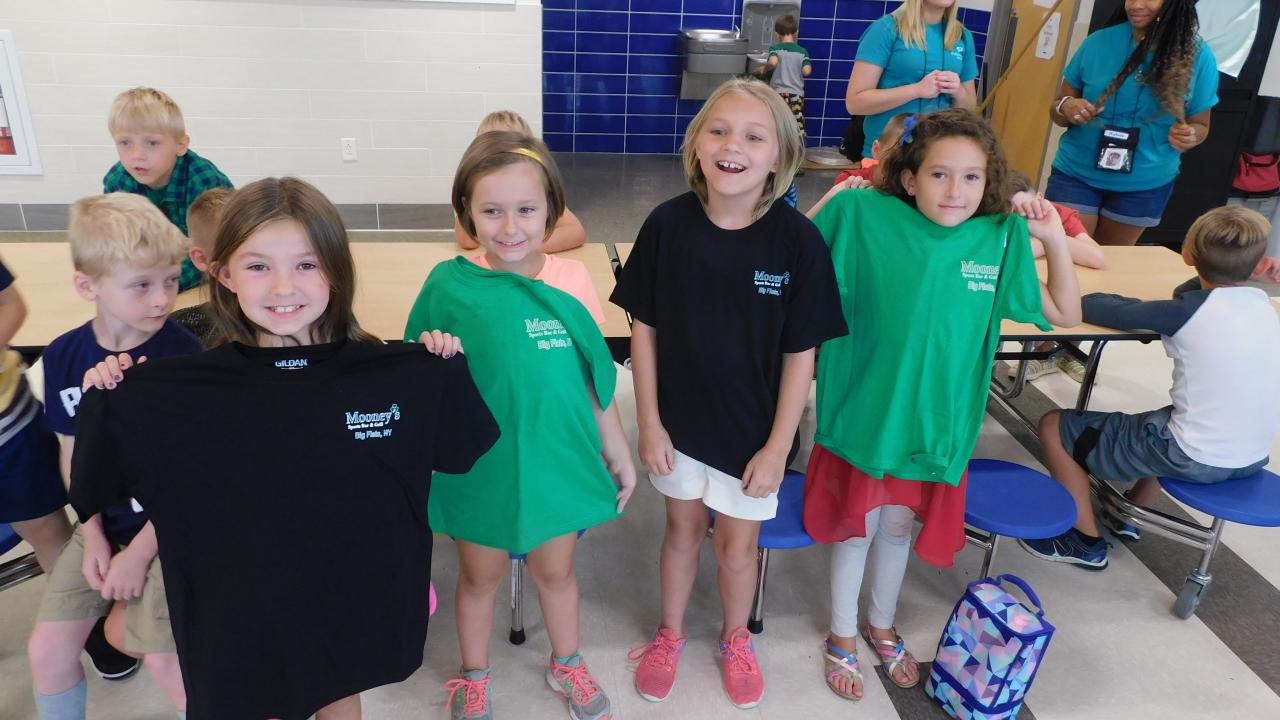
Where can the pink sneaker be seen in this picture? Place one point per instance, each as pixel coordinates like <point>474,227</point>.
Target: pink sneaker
<point>658,658</point>
<point>742,679</point>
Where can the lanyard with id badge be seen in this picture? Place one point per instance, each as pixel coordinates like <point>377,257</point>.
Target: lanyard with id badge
<point>1116,149</point>
<point>1118,145</point>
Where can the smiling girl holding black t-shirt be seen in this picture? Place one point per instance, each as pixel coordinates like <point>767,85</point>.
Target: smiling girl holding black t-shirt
<point>297,557</point>
<point>730,292</point>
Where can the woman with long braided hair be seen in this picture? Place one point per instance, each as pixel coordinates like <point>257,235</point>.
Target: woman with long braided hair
<point>1134,97</point>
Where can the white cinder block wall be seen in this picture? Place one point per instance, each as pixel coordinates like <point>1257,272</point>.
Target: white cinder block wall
<point>269,86</point>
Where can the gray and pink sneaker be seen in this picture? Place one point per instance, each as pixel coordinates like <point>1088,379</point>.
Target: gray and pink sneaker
<point>575,682</point>
<point>469,696</point>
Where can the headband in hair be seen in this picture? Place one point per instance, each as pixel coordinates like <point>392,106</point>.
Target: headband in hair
<point>529,154</point>
<point>908,128</point>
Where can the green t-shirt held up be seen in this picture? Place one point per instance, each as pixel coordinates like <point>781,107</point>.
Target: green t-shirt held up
<point>535,355</point>
<point>904,392</point>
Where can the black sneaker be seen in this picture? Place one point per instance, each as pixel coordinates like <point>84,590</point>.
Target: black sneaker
<point>1069,547</point>
<point>110,663</point>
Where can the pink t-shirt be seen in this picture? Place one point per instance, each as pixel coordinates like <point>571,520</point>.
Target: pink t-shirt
<point>564,274</point>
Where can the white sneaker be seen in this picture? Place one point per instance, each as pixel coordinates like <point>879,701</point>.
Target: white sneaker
<point>1035,369</point>
<point>1072,368</point>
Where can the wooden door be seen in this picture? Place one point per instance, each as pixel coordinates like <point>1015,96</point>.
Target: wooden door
<point>1021,108</point>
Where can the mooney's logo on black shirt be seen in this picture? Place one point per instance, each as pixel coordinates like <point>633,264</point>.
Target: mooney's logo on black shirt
<point>367,425</point>
<point>770,284</point>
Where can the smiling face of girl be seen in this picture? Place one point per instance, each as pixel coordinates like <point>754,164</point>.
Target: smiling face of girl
<point>949,186</point>
<point>509,209</point>
<point>276,277</point>
<point>737,149</point>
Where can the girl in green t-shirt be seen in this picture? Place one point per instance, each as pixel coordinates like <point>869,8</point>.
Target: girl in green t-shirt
<point>929,263</point>
<point>562,462</point>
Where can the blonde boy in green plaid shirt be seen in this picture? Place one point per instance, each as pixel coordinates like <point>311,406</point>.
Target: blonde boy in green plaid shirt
<point>155,160</point>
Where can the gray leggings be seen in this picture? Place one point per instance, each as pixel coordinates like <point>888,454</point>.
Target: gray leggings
<point>889,531</point>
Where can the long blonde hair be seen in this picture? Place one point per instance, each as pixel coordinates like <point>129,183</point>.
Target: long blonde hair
<point>790,149</point>
<point>911,24</point>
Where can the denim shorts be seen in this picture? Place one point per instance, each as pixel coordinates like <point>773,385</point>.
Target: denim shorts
<point>1121,448</point>
<point>1139,208</point>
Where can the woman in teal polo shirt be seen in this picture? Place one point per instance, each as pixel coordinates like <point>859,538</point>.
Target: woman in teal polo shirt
<point>1153,82</point>
<point>919,58</point>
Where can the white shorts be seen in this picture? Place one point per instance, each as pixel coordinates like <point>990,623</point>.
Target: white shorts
<point>694,480</point>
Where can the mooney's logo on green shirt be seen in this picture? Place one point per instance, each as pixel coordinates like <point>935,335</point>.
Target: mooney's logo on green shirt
<point>549,333</point>
<point>976,274</point>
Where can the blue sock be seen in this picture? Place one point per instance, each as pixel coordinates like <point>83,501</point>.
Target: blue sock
<point>66,705</point>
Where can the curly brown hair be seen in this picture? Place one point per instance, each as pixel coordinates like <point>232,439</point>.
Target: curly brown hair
<point>909,153</point>
<point>1172,38</point>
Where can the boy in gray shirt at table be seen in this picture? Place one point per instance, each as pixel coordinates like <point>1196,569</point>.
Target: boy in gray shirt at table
<point>1224,340</point>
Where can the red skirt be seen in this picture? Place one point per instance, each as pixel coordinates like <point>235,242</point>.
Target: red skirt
<point>838,496</point>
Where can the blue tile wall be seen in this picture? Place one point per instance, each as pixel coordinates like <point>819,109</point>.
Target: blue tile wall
<point>611,68</point>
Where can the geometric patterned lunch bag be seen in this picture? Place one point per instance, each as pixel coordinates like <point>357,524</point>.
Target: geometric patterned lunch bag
<point>989,653</point>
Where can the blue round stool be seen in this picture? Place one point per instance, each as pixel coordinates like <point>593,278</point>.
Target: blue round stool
<point>1252,500</point>
<point>784,532</point>
<point>1005,498</point>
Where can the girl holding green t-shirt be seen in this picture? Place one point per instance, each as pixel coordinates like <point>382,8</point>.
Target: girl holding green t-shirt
<point>929,262</point>
<point>562,462</point>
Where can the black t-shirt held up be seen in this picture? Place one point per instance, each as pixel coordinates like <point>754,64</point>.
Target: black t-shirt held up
<point>296,552</point>
<point>726,305</point>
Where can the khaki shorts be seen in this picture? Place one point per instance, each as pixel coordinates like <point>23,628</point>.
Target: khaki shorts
<point>67,596</point>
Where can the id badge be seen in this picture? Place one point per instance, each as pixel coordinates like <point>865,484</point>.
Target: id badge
<point>1116,149</point>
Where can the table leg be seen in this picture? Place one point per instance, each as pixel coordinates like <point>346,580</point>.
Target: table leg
<point>1090,375</point>
<point>1013,390</point>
